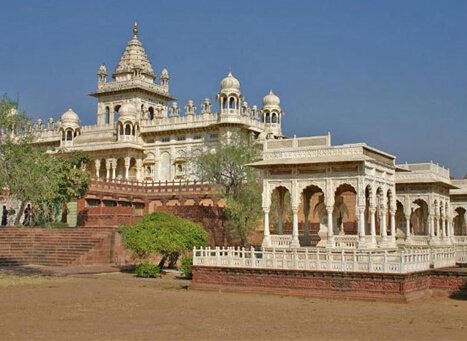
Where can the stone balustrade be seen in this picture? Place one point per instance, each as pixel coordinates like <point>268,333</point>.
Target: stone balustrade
<point>281,240</point>
<point>151,187</point>
<point>459,240</point>
<point>461,253</point>
<point>348,241</point>
<point>403,261</point>
<point>442,257</point>
<point>419,240</point>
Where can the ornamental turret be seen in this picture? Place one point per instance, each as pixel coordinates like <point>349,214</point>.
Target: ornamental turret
<point>272,113</point>
<point>206,106</point>
<point>134,62</point>
<point>69,127</point>
<point>102,73</point>
<point>165,78</point>
<point>230,96</point>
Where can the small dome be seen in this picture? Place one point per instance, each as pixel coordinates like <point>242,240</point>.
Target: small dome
<point>70,118</point>
<point>271,99</point>
<point>127,112</point>
<point>230,82</point>
<point>165,74</point>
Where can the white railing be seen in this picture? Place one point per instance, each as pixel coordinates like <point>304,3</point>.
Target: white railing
<point>442,257</point>
<point>350,242</point>
<point>403,261</point>
<point>459,240</point>
<point>281,240</point>
<point>419,240</point>
<point>461,253</point>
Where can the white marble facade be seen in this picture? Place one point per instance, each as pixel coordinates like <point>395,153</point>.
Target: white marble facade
<point>142,133</point>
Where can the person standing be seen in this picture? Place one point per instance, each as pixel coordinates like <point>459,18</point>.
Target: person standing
<point>4,216</point>
<point>27,215</point>
<point>11,216</point>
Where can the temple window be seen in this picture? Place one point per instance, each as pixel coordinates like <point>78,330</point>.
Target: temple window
<point>181,138</point>
<point>116,110</point>
<point>92,202</point>
<point>151,113</point>
<point>232,103</point>
<point>165,139</point>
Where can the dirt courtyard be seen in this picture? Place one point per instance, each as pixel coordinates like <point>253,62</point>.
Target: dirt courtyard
<point>118,306</point>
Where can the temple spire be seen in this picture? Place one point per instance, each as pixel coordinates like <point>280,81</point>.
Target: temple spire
<point>135,29</point>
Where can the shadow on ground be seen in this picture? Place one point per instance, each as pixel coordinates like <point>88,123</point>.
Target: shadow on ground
<point>24,270</point>
<point>460,294</point>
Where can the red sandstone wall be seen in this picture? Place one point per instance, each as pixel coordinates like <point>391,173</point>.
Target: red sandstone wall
<point>387,287</point>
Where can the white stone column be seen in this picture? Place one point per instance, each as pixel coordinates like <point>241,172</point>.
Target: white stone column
<point>383,225</point>
<point>443,223</point>
<point>295,241</point>
<point>107,169</point>
<point>372,210</point>
<point>127,168</point>
<point>139,166</point>
<point>97,164</point>
<point>330,241</point>
<point>267,234</point>
<point>437,223</point>
<point>114,169</point>
<point>392,215</point>
<point>407,227</point>
<point>431,227</point>
<point>361,227</point>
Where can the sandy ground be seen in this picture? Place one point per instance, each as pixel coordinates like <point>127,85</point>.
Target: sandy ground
<point>117,306</point>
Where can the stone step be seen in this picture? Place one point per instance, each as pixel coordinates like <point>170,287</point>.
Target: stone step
<point>53,246</point>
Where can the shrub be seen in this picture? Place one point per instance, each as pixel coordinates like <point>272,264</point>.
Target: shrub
<point>148,270</point>
<point>185,267</point>
<point>164,234</point>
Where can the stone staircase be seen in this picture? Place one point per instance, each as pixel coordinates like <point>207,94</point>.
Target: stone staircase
<point>57,247</point>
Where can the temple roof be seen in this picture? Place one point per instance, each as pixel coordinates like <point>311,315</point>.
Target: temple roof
<point>134,58</point>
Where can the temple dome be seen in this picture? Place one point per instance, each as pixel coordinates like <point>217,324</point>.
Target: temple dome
<point>127,112</point>
<point>271,99</point>
<point>134,58</point>
<point>70,118</point>
<point>230,82</point>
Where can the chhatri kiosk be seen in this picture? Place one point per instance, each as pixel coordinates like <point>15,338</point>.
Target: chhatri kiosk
<point>345,221</point>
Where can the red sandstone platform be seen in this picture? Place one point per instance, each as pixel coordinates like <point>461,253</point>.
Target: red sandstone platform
<point>345,285</point>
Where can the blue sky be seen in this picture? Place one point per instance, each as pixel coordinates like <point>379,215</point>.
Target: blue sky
<point>392,74</point>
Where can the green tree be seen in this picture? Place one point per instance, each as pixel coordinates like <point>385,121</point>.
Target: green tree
<point>164,234</point>
<point>239,184</point>
<point>30,173</point>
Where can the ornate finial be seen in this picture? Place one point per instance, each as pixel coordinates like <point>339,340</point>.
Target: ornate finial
<point>135,28</point>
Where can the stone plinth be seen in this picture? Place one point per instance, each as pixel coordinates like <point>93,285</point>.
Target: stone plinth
<point>363,286</point>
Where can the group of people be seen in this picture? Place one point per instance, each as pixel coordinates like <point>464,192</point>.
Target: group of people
<point>8,216</point>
